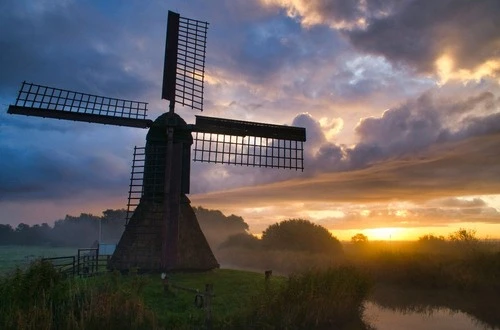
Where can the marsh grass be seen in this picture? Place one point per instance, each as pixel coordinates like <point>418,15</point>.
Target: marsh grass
<point>40,298</point>
<point>329,298</point>
<point>452,265</point>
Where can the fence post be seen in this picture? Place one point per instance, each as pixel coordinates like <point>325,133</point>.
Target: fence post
<point>78,263</point>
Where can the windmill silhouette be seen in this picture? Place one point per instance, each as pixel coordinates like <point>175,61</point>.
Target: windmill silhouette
<point>162,232</point>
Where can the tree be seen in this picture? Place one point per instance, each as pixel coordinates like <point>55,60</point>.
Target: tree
<point>429,238</point>
<point>300,235</point>
<point>241,240</point>
<point>432,243</point>
<point>217,227</point>
<point>113,225</point>
<point>464,235</point>
<point>6,234</point>
<point>359,239</point>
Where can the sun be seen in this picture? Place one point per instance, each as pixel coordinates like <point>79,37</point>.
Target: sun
<point>383,234</point>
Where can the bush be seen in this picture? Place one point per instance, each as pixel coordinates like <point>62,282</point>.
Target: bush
<point>300,235</point>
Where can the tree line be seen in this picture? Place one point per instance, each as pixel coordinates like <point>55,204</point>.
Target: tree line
<point>83,230</point>
<point>72,231</point>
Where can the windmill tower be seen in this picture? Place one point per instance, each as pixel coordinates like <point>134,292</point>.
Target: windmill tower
<point>162,232</point>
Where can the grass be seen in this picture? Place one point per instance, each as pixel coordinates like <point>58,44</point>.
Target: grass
<point>233,292</point>
<point>12,257</point>
<point>453,266</point>
<point>39,298</point>
<point>323,292</point>
<point>316,299</point>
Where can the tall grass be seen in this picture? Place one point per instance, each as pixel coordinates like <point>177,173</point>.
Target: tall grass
<point>451,265</point>
<point>39,298</point>
<point>330,298</point>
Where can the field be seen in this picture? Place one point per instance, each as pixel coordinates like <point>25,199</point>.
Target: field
<point>21,256</point>
<point>406,277</point>
<point>39,298</point>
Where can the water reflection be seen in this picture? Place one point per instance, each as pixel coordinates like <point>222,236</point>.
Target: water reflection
<point>396,308</point>
<point>437,318</point>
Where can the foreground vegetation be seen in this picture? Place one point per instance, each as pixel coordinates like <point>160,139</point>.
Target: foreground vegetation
<point>39,298</point>
<point>320,283</point>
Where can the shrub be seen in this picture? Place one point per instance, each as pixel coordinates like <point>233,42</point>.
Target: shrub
<point>300,235</point>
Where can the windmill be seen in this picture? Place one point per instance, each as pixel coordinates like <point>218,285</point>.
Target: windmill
<point>162,232</point>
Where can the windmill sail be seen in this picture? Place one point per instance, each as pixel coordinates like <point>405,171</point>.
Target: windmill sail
<point>219,140</point>
<point>49,102</point>
<point>184,67</point>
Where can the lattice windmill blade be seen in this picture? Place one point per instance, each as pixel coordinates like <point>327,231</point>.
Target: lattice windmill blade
<point>184,67</point>
<point>220,140</point>
<point>50,102</point>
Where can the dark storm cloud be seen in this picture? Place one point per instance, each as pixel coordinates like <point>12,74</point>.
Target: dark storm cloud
<point>412,32</point>
<point>336,13</point>
<point>64,44</point>
<point>421,31</point>
<point>263,49</point>
<point>34,174</point>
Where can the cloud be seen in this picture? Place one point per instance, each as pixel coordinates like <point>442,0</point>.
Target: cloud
<point>339,14</point>
<point>90,59</point>
<point>421,32</point>
<point>429,36</point>
<point>467,167</point>
<point>413,127</point>
<point>330,66</point>
<point>51,174</point>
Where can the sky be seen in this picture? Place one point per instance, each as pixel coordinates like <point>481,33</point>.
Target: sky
<point>400,100</point>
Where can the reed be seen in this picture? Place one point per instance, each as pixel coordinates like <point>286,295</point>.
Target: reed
<point>40,298</point>
<point>316,299</point>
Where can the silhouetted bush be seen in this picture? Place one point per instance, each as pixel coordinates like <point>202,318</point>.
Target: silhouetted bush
<point>300,235</point>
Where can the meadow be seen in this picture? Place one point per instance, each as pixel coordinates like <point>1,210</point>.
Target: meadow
<point>13,256</point>
<point>307,290</point>
<point>40,298</point>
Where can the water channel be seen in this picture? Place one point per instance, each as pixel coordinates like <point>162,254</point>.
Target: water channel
<point>441,318</point>
<point>391,308</point>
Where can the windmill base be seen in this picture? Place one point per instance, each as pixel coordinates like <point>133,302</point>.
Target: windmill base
<point>141,244</point>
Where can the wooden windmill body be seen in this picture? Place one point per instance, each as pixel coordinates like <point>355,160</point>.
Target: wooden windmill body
<point>162,232</point>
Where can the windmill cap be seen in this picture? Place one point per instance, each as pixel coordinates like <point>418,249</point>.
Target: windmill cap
<point>158,130</point>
